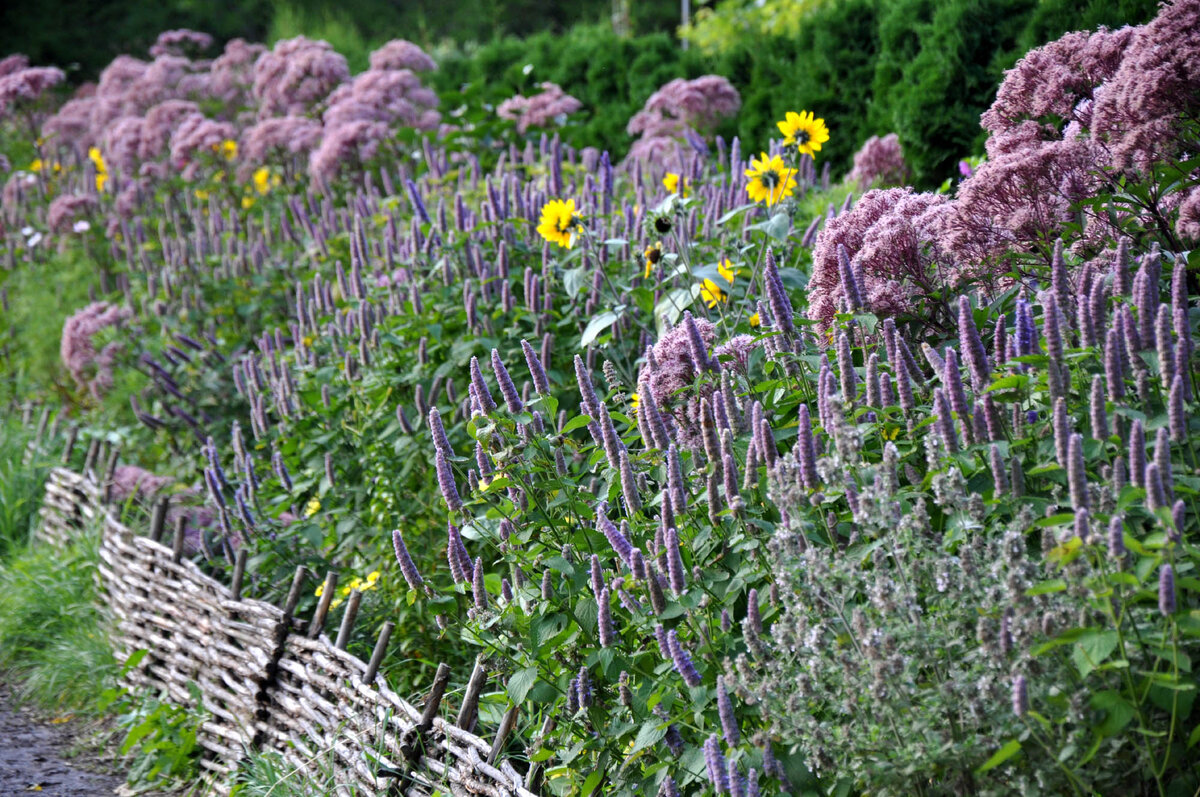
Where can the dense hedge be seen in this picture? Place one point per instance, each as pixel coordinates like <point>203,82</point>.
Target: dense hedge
<point>922,68</point>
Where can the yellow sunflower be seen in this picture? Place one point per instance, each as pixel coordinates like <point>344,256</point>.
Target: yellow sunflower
<point>711,292</point>
<point>559,222</point>
<point>804,132</point>
<point>676,184</point>
<point>652,256</point>
<point>262,180</point>
<point>770,180</point>
<point>101,168</point>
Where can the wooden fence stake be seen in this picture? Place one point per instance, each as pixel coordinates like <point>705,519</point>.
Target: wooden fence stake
<point>177,543</point>
<point>385,635</point>
<point>41,428</point>
<point>69,448</point>
<point>110,469</point>
<point>532,776</point>
<point>469,711</point>
<point>327,593</point>
<point>506,726</point>
<point>351,614</point>
<point>293,596</point>
<point>90,457</point>
<point>435,698</point>
<point>239,573</point>
<point>158,518</point>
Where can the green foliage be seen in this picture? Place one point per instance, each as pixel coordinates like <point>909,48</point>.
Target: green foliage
<point>159,741</point>
<point>20,486</point>
<point>52,643</point>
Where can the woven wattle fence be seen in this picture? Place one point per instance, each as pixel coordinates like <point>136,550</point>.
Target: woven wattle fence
<point>266,679</point>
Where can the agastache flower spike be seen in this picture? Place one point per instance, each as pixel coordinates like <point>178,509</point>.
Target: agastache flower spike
<point>637,564</point>
<point>512,398</point>
<point>729,724</point>
<point>675,569</point>
<point>477,589</point>
<point>1178,518</point>
<point>806,446</point>
<point>1113,370</point>
<point>1137,454</point>
<point>456,553</point>
<point>633,503</point>
<point>1052,325</point>
<point>714,762</point>
<point>952,379</point>
<point>482,394</point>
<point>608,437</point>
<point>675,481</point>
<point>1155,494</point>
<point>1166,590</point>
<point>1062,431</point>
<point>649,407</point>
<point>1098,413</point>
<point>850,286</point>
<point>1162,458</point>
<point>615,538</point>
<point>972,345</point>
<point>587,393</point>
<point>1166,347</point>
<point>1020,696</point>
<point>597,577</point>
<point>1116,538</point>
<point>696,345</point>
<point>407,567</point>
<point>781,305</point>
<point>1083,526</point>
<point>446,483</point>
<point>999,471</point>
<point>1076,475</point>
<point>604,620</point>
<point>846,368</point>
<point>945,422</point>
<point>873,392</point>
<point>1120,269</point>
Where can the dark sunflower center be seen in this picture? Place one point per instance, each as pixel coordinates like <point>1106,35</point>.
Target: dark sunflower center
<point>802,137</point>
<point>770,179</point>
<point>662,225</point>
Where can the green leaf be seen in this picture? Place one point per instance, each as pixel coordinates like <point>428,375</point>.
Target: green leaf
<point>1117,709</point>
<point>1010,749</point>
<point>520,683</point>
<point>1092,649</point>
<point>1047,587</point>
<point>650,733</point>
<point>597,325</point>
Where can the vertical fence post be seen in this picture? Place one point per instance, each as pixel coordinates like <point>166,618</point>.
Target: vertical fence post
<point>343,637</point>
<point>506,726</point>
<point>327,591</point>
<point>239,573</point>
<point>385,636</point>
<point>468,713</point>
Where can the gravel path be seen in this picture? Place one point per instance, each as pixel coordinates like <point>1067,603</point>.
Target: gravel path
<point>32,759</point>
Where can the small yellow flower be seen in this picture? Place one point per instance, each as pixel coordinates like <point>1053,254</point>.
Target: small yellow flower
<point>312,507</point>
<point>770,180</point>
<point>725,269</point>
<point>262,180</point>
<point>652,256</point>
<point>804,132</point>
<point>97,160</point>
<point>634,402</point>
<point>247,202</point>
<point>308,340</point>
<point>36,166</point>
<point>320,590</point>
<point>755,320</point>
<point>559,222</point>
<point>676,184</point>
<point>201,194</point>
<point>227,148</point>
<point>711,293</point>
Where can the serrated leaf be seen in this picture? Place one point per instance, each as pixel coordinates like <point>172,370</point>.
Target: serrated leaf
<point>1091,650</point>
<point>520,683</point>
<point>649,734</point>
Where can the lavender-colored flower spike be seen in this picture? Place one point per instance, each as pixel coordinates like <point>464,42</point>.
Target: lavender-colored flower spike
<point>737,786</point>
<point>1083,526</point>
<point>752,789</point>
<point>1076,475</point>
<point>696,345</point>
<point>541,383</point>
<point>512,398</point>
<point>1178,518</point>
<point>1098,413</point>
<point>1166,590</point>
<point>781,305</point>
<point>846,368</point>
<point>850,287</point>
<point>729,724</point>
<point>999,470</point>
<point>1156,496</point>
<point>1165,344</point>
<point>1114,371</point>
<point>597,577</point>
<point>1062,431</point>
<point>675,569</point>
<point>440,441</point>
<point>1137,454</point>
<point>675,486</point>
<point>1116,538</point>
<point>633,503</point>
<point>609,439</point>
<point>1176,419</point>
<point>1120,269</point>
<point>604,620</point>
<point>407,567</point>
<point>482,394</point>
<point>547,586</point>
<point>478,592</point>
<point>682,660</point>
<point>456,552</point>
<point>614,536</point>
<point>1020,696</point>
<point>637,565</point>
<point>945,422</point>
<point>806,446</point>
<point>1052,325</point>
<point>1162,458</point>
<point>668,788</point>
<point>446,483</point>
<point>654,419</point>
<point>972,345</point>
<point>587,392</point>
<point>714,761</point>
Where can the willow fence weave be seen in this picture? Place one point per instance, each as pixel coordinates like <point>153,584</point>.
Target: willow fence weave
<point>265,679</point>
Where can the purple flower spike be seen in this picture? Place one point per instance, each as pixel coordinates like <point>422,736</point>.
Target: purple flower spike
<point>654,418</point>
<point>1062,431</point>
<point>675,570</point>
<point>1165,345</point>
<point>668,788</point>
<point>1076,475</point>
<point>682,660</point>
<point>846,368</point>
<point>1020,696</point>
<point>664,645</point>
<point>637,565</point>
<point>1098,413</point>
<point>614,536</point>
<point>587,392</point>
<point>633,503</point>
<point>438,431</point>
<point>1137,454</point>
<point>945,422</point>
<point>541,383</point>
<point>1178,518</point>
<point>478,592</point>
<point>482,394</point>
<point>999,470</point>
<point>696,345</point>
<point>714,761</point>
<point>781,305</point>
<point>446,483</point>
<point>597,576</point>
<point>407,567</point>
<point>1083,526</point>
<point>1176,419</point>
<point>1116,538</point>
<point>972,345</point>
<point>806,446</point>
<point>604,620</point>
<point>850,286</point>
<point>729,724</point>
<point>456,552</point>
<point>1166,590</point>
<point>512,398</point>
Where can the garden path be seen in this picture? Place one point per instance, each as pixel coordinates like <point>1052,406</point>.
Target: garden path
<point>33,758</point>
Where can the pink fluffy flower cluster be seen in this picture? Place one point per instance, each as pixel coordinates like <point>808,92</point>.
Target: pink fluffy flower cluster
<point>677,109</point>
<point>549,107</point>
<point>90,369</point>
<point>880,161</point>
